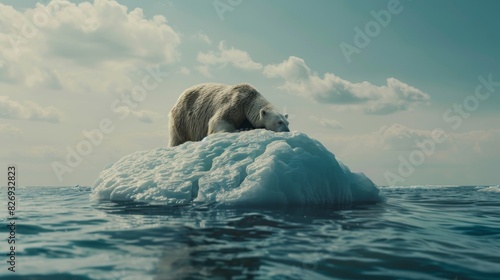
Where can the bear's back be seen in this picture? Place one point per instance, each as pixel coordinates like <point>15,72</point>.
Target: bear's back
<point>217,95</point>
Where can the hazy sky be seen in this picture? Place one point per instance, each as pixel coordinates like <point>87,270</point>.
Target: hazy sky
<point>407,92</point>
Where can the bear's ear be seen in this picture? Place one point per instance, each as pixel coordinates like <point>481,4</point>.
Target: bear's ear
<point>262,113</point>
<point>286,116</point>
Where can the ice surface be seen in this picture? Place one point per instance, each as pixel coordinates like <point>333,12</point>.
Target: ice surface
<point>251,168</point>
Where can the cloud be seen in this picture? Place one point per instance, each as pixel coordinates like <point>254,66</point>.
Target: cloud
<point>330,89</point>
<point>8,131</point>
<point>224,56</point>
<point>394,137</point>
<point>327,122</point>
<point>85,45</point>
<point>201,36</point>
<point>185,71</point>
<point>398,137</point>
<point>144,116</point>
<point>484,142</point>
<point>294,68</point>
<point>28,110</point>
<point>300,79</point>
<point>39,153</point>
<point>204,70</point>
<point>472,147</point>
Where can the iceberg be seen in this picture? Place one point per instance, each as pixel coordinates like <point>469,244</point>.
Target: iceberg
<point>255,168</point>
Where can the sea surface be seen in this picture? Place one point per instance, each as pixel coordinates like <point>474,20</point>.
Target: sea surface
<point>419,232</point>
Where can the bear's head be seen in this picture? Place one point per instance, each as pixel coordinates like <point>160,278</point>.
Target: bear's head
<point>274,121</point>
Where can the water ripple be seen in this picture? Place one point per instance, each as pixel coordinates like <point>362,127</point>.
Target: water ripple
<point>417,233</point>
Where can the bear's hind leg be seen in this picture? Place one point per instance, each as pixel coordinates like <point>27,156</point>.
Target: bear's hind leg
<point>219,125</point>
<point>174,137</point>
<point>175,141</point>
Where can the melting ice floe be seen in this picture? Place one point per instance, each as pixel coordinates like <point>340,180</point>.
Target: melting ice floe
<point>253,168</point>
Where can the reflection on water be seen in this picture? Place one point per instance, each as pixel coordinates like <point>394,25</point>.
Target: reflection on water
<point>208,242</point>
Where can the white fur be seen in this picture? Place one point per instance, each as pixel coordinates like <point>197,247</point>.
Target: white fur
<point>210,108</point>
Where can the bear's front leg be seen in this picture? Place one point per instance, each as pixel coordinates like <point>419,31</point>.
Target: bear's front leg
<point>245,126</point>
<point>217,124</point>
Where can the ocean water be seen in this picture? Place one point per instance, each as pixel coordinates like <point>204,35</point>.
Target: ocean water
<point>420,232</point>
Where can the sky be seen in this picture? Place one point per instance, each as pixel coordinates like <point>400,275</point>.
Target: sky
<point>406,92</point>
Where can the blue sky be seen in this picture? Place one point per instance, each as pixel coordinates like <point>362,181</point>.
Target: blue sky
<point>66,65</point>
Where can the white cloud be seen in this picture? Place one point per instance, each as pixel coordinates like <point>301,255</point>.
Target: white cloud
<point>400,137</point>
<point>92,46</point>
<point>204,70</point>
<point>39,153</point>
<point>380,151</point>
<point>8,131</point>
<point>203,37</point>
<point>28,110</point>
<point>327,122</point>
<point>294,68</point>
<point>456,147</point>
<point>300,79</point>
<point>224,56</point>
<point>145,116</point>
<point>185,71</point>
<point>330,89</point>
<point>483,142</point>
<point>462,156</point>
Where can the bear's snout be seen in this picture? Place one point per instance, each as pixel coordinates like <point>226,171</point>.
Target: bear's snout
<point>284,129</point>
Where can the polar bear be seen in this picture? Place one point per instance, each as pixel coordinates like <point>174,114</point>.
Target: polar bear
<point>209,108</point>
